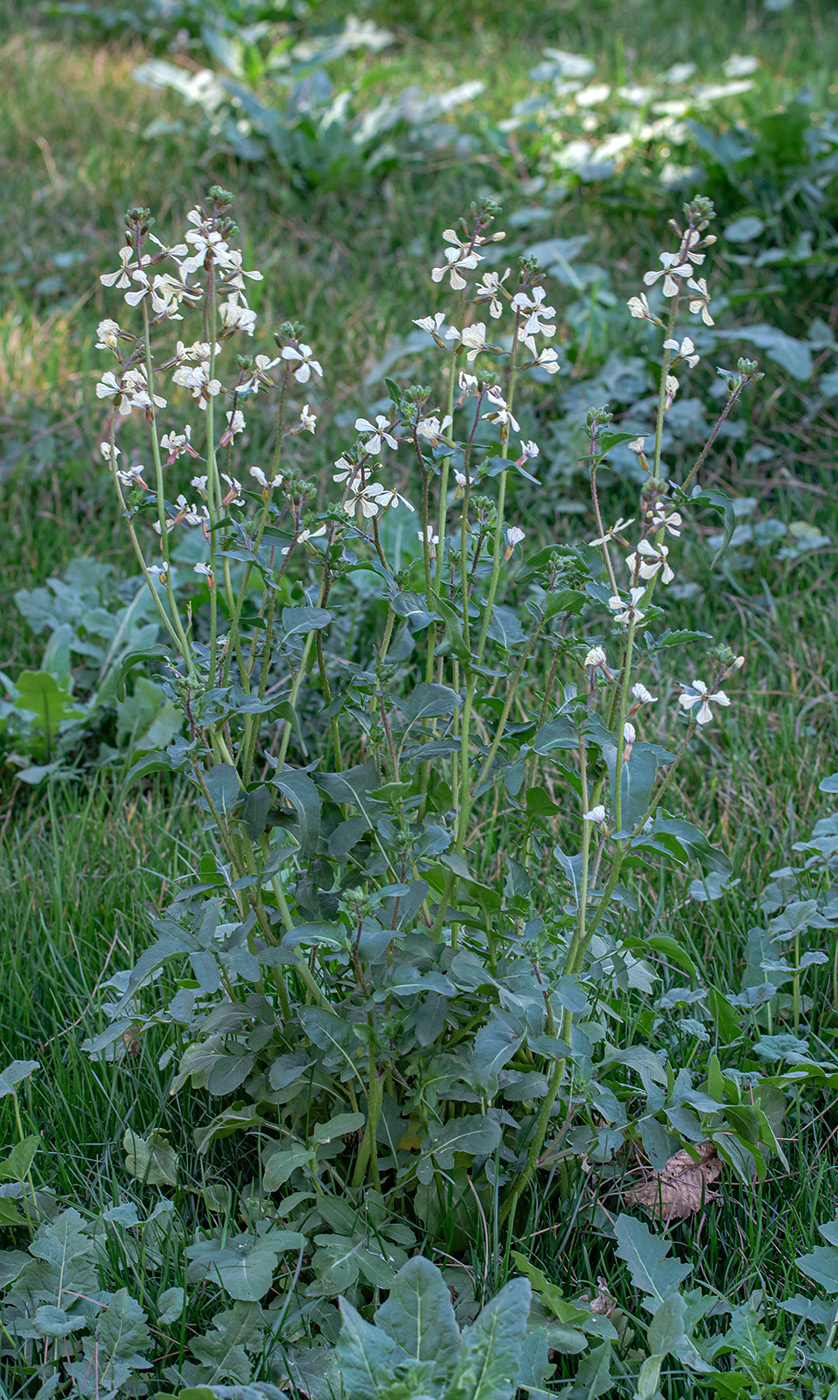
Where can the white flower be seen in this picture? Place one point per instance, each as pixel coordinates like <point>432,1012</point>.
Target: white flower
<point>458,258</point>
<point>629,738</point>
<point>641,694</point>
<point>198,350</point>
<point>122,276</point>
<point>196,378</point>
<point>490,289</point>
<point>685,351</point>
<point>431,324</point>
<point>235,425</point>
<point>627,612</point>
<point>372,499</point>
<point>234,273</point>
<point>672,386</point>
<point>204,569</point>
<point>596,814</point>
<point>595,657</point>
<point>664,519</point>
<point>158,572</point>
<point>671,270</point>
<point>547,359</point>
<point>500,412</point>
<point>346,470</point>
<point>200,484</point>
<point>178,443</point>
<point>259,475</point>
<point>107,332</point>
<point>639,307</point>
<point>473,338</point>
<point>692,239</point>
<point>431,539</point>
<point>380,433</point>
<point>133,476</point>
<point>616,529</point>
<point>432,430</point>
<point>308,420</point>
<point>700,300</point>
<point>303,537</point>
<point>637,445</point>
<point>529,451</point>
<point>698,694</point>
<point>258,375</point>
<point>207,243</point>
<point>462,481</point>
<point>129,392</point>
<point>536,310</point>
<point>303,357</point>
<point>236,318</point>
<point>109,453</point>
<point>233,492</point>
<point>514,535</point>
<point>648,559</point>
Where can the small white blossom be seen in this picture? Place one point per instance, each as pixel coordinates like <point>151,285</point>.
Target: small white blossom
<point>259,475</point>
<point>629,739</point>
<point>304,536</point>
<point>462,481</point>
<point>107,333</point>
<point>109,453</point>
<point>616,529</point>
<point>665,519</point>
<point>473,339</point>
<point>490,289</point>
<point>233,492</point>
<point>175,444</point>
<point>649,559</point>
<point>236,318</point>
<point>122,277</point>
<point>685,351</point>
<point>595,657</point>
<point>596,814</point>
<point>460,257</point>
<point>514,535</point>
<point>432,429</point>
<point>308,420</point>
<point>196,378</point>
<point>303,358</point>
<point>206,572</point>
<point>431,324</point>
<point>639,308</point>
<point>641,694</point>
<point>200,484</point>
<point>469,384</point>
<point>547,359</point>
<point>431,539</point>
<point>671,270</point>
<point>699,302</point>
<point>235,425</point>
<point>380,433</point>
<point>500,412</point>
<point>529,451</point>
<point>627,612</point>
<point>671,387</point>
<point>234,273</point>
<point>535,310</point>
<point>699,694</point>
<point>133,476</point>
<point>158,572</point>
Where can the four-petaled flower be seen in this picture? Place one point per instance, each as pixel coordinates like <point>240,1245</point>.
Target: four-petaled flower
<point>616,529</point>
<point>380,430</point>
<point>491,290</point>
<point>685,351</point>
<point>535,310</point>
<point>627,612</point>
<point>648,559</point>
<point>596,814</point>
<point>639,307</point>
<point>431,324</point>
<point>236,318</point>
<point>699,694</point>
<point>671,270</point>
<point>665,519</point>
<point>460,257</point>
<point>473,339</point>
<point>432,430</point>
<point>303,357</point>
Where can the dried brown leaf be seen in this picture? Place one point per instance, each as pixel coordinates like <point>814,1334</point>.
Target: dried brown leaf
<point>682,1187</point>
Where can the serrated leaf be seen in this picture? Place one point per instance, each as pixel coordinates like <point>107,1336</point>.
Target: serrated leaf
<point>646,1255</point>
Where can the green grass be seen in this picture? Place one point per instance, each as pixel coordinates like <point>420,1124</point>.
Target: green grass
<point>82,872</point>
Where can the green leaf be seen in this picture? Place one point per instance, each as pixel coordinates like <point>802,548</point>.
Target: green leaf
<point>170,1305</point>
<point>20,1159</point>
<point>475,1134</point>
<point>490,1358</point>
<point>14,1073</point>
<point>646,1255</point>
<point>829,784</point>
<point>302,794</point>
<point>366,1355</point>
<point>304,620</point>
<point>151,1160</point>
<point>821,1266</point>
<point>419,1316</point>
<point>431,701</point>
<point>224,787</point>
<point>666,1330</point>
<point>115,1350</point>
<point>40,694</point>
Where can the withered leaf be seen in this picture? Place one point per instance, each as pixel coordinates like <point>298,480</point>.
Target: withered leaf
<point>682,1187</point>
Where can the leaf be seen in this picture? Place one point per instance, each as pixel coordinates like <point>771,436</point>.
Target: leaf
<point>792,355</point>
<point>681,1188</point>
<point>821,1266</point>
<point>666,1330</point>
<point>223,784</point>
<point>40,694</point>
<point>151,1160</point>
<point>419,1315</point>
<point>651,1271</point>
<point>366,1355</point>
<point>474,1134</point>
<point>490,1359</point>
<point>302,794</point>
<point>304,620</point>
<point>431,701</point>
<point>170,1305</point>
<point>829,784</point>
<point>14,1073</point>
<point>20,1159</point>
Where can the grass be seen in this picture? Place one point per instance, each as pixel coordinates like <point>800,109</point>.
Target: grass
<point>82,871</point>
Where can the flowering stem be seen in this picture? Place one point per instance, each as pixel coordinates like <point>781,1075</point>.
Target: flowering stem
<point>667,356</point>
<point>621,721</point>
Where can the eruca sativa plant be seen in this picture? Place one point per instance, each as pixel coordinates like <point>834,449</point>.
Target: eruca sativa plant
<point>389,996</point>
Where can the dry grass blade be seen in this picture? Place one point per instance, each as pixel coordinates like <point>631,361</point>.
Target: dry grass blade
<point>682,1187</point>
